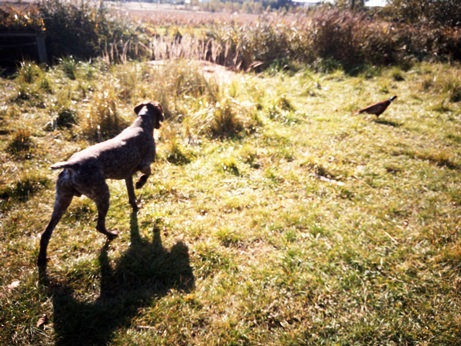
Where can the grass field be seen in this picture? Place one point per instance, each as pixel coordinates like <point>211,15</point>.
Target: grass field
<point>274,216</point>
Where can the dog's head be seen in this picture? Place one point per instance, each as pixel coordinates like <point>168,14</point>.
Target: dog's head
<point>153,108</point>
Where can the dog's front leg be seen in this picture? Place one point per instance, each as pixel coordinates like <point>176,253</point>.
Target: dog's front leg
<point>143,178</point>
<point>131,195</point>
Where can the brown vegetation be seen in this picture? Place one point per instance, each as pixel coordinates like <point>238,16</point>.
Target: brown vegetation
<point>325,39</point>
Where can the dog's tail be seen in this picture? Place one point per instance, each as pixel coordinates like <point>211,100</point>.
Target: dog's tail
<point>61,165</point>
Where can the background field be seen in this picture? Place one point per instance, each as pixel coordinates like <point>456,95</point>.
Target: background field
<point>274,216</point>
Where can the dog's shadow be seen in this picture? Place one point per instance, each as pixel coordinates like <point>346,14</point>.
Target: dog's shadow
<point>145,272</point>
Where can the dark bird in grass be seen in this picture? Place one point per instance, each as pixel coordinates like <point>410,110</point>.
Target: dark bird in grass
<point>377,108</point>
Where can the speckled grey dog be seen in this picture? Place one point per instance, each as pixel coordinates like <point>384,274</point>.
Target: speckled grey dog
<point>85,173</point>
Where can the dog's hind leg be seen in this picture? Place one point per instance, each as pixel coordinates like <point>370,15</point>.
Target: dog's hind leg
<point>100,195</point>
<point>64,196</point>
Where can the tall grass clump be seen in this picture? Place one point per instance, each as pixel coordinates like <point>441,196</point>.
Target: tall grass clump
<point>31,82</point>
<point>449,87</point>
<point>180,86</point>
<point>266,43</point>
<point>69,67</point>
<point>452,87</point>
<point>103,120</point>
<point>225,120</point>
<point>205,105</point>
<point>174,150</point>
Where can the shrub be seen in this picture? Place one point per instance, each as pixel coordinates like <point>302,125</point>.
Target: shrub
<point>71,29</point>
<point>179,81</point>
<point>85,30</point>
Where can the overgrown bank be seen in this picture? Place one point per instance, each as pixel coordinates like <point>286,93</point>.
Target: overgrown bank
<point>325,38</point>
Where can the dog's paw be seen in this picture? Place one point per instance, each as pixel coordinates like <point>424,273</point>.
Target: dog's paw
<point>141,181</point>
<point>111,235</point>
<point>139,184</point>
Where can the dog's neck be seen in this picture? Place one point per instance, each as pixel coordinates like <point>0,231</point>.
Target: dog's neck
<point>144,120</point>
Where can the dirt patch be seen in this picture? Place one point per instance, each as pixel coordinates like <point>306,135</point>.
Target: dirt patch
<point>219,72</point>
<point>210,70</point>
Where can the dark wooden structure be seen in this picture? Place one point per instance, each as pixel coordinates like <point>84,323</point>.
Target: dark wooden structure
<point>20,46</point>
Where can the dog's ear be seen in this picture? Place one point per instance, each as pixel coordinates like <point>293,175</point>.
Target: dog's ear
<point>157,112</point>
<point>140,106</point>
<point>158,108</point>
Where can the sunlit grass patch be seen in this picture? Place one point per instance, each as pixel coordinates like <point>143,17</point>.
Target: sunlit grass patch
<point>21,190</point>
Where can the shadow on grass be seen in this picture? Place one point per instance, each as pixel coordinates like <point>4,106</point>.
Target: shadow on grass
<point>387,122</point>
<point>145,272</point>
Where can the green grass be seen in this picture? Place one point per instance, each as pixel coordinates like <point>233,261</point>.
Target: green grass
<point>274,216</point>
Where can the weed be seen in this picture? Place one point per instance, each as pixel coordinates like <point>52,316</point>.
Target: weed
<point>21,144</point>
<point>28,93</point>
<point>176,154</point>
<point>46,85</point>
<point>67,117</point>
<point>228,237</point>
<point>229,164</point>
<point>69,67</point>
<point>29,72</point>
<point>397,74</point>
<point>249,155</point>
<point>452,86</point>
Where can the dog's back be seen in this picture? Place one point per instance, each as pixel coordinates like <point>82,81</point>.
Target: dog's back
<point>117,158</point>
